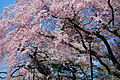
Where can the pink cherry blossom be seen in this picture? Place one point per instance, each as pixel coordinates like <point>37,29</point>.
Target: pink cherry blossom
<point>61,29</point>
<point>25,51</point>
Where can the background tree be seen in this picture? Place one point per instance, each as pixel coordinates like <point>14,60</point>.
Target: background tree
<point>59,39</point>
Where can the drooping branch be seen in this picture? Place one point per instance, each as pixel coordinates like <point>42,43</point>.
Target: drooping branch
<point>117,74</point>
<point>82,39</point>
<point>101,62</point>
<point>114,60</point>
<point>85,75</point>
<point>112,10</point>
<point>112,57</point>
<point>72,46</point>
<point>3,73</point>
<point>2,77</point>
<point>93,53</point>
<point>114,32</point>
<point>12,75</point>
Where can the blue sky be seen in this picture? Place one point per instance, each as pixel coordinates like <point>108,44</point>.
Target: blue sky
<point>5,3</point>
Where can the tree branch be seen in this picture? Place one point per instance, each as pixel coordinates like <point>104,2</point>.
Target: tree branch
<point>15,72</point>
<point>112,57</point>
<point>112,10</point>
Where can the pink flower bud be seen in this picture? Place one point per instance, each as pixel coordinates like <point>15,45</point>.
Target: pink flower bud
<point>27,63</point>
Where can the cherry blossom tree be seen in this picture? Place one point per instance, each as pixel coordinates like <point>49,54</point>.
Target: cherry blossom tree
<point>61,39</point>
